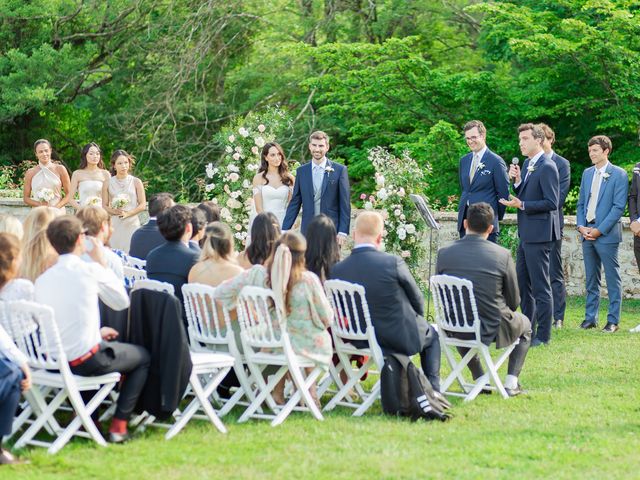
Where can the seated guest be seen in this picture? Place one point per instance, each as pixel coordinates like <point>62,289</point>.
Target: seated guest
<point>172,261</point>
<point>198,223</point>
<point>72,288</point>
<point>491,270</point>
<point>38,254</point>
<point>299,296</point>
<point>323,251</point>
<point>97,224</point>
<point>148,237</point>
<point>265,230</point>
<point>216,262</point>
<point>12,288</point>
<point>15,377</point>
<point>211,210</point>
<point>395,302</point>
<point>10,224</point>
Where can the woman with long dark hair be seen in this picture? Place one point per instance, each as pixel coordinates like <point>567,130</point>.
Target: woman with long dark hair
<point>323,251</point>
<point>273,184</point>
<point>88,180</point>
<point>266,230</point>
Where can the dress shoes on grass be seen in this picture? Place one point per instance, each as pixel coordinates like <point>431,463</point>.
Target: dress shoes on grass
<point>610,328</point>
<point>558,324</point>
<point>536,342</point>
<point>514,392</point>
<point>118,437</point>
<point>586,325</point>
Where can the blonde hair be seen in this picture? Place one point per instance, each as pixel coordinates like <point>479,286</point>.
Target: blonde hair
<point>10,224</point>
<point>218,241</point>
<point>36,249</point>
<point>92,218</point>
<point>369,224</point>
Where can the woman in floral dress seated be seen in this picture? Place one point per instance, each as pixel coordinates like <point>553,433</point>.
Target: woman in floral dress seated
<point>298,294</point>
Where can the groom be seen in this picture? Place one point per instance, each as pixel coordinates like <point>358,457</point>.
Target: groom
<point>321,187</point>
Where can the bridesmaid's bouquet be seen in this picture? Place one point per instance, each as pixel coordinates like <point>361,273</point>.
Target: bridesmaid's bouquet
<point>120,201</point>
<point>45,195</point>
<point>93,201</point>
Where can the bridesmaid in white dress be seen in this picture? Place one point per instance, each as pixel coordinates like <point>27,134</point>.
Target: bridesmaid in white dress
<point>124,198</point>
<point>87,181</point>
<point>44,183</point>
<point>273,184</point>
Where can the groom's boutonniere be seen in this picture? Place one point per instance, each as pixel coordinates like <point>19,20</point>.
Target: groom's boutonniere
<point>606,175</point>
<point>531,168</point>
<point>328,169</point>
<point>480,166</point>
<point>636,171</point>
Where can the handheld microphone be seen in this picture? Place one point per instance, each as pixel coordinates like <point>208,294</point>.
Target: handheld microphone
<point>514,161</point>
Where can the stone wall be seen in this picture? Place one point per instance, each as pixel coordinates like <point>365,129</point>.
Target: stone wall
<point>571,247</point>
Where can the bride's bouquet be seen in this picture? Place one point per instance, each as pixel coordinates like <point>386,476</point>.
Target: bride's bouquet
<point>93,201</point>
<point>120,201</point>
<point>45,195</point>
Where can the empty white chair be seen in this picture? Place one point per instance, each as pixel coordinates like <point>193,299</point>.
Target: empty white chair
<point>209,332</point>
<point>153,285</point>
<point>35,332</point>
<point>266,343</point>
<point>352,322</point>
<point>132,275</point>
<point>456,312</point>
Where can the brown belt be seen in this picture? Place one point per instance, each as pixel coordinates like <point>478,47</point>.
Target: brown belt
<point>80,360</point>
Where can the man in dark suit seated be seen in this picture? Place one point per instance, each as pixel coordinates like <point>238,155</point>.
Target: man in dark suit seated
<point>148,237</point>
<point>172,261</point>
<point>491,270</point>
<point>395,302</point>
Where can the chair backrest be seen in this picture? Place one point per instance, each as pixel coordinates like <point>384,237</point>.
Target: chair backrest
<point>455,304</point>
<point>154,285</point>
<point>205,325</point>
<point>258,328</point>
<point>351,310</point>
<point>33,329</point>
<point>136,263</point>
<point>132,275</point>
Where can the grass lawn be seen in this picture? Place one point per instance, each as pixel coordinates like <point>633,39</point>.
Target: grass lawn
<point>581,419</point>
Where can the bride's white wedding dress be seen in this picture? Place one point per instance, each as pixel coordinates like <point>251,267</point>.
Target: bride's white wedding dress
<point>274,200</point>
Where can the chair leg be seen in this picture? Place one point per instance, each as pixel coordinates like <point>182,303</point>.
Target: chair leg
<point>264,390</point>
<point>372,397</point>
<point>42,418</point>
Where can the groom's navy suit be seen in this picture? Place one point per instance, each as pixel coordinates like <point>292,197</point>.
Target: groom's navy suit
<point>538,228</point>
<point>490,183</point>
<point>335,201</point>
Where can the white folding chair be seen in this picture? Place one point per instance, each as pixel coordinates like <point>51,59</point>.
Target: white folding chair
<point>352,322</point>
<point>208,332</point>
<point>453,298</point>
<point>154,285</point>
<point>53,382</point>
<point>133,275</point>
<point>137,263</point>
<point>266,343</point>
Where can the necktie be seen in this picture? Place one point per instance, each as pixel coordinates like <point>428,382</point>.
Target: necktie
<point>593,198</point>
<point>474,167</point>
<point>317,177</point>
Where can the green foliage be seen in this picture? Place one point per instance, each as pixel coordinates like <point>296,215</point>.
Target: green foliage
<point>508,238</point>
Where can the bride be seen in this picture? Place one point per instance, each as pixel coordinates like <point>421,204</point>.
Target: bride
<point>273,184</point>
<point>89,178</point>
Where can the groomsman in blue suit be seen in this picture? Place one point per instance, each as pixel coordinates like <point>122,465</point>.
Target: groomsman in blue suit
<point>483,177</point>
<point>556,272</point>
<point>538,227</point>
<point>321,187</point>
<point>603,197</point>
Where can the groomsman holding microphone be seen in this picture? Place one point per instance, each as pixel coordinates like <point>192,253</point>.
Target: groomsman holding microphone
<point>603,197</point>
<point>538,228</point>
<point>556,272</point>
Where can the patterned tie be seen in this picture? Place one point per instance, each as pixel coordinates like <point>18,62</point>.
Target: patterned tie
<point>593,198</point>
<point>474,167</point>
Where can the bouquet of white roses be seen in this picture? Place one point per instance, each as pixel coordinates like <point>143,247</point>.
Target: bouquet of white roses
<point>92,201</point>
<point>45,195</point>
<point>120,201</point>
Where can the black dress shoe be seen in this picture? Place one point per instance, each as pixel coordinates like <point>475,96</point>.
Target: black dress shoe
<point>514,392</point>
<point>118,437</point>
<point>536,342</point>
<point>558,324</point>
<point>587,325</point>
<point>610,328</point>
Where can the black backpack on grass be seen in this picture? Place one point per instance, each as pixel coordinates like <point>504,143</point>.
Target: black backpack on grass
<point>406,392</point>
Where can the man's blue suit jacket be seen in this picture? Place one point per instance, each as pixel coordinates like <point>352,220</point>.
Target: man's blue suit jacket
<point>489,185</point>
<point>335,201</point>
<point>564,176</point>
<point>540,191</point>
<point>612,200</point>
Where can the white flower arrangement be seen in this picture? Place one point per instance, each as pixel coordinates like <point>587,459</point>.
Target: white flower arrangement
<point>606,175</point>
<point>260,142</point>
<point>92,201</point>
<point>531,168</point>
<point>480,166</point>
<point>120,201</point>
<point>243,131</point>
<point>45,195</point>
<point>329,169</point>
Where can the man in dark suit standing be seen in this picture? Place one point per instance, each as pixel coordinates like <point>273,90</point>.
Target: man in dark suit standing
<point>634,218</point>
<point>148,237</point>
<point>491,270</point>
<point>538,227</point>
<point>556,272</point>
<point>171,261</point>
<point>483,177</point>
<point>321,186</point>
<point>395,302</point>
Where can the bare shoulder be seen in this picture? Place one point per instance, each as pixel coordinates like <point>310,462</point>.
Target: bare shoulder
<point>105,175</point>
<point>258,180</point>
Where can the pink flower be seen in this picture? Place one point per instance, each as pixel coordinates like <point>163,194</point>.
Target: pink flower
<point>405,254</point>
<point>261,128</point>
<point>363,196</point>
<point>371,198</point>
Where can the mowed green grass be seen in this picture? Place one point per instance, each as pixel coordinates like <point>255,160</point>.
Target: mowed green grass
<point>581,419</point>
